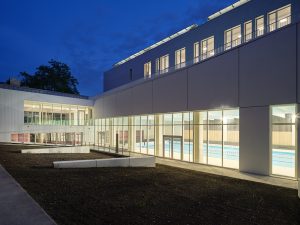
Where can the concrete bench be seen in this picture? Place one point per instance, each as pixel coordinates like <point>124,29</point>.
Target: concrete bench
<point>148,161</point>
<point>57,150</point>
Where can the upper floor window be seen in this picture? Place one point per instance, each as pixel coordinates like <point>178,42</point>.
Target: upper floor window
<point>279,18</point>
<point>260,26</point>
<point>147,70</point>
<point>233,37</point>
<point>207,47</point>
<point>248,31</point>
<point>196,52</point>
<point>162,64</point>
<point>38,113</point>
<point>180,58</point>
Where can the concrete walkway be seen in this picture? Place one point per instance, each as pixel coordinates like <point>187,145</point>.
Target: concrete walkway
<point>271,180</point>
<point>16,206</point>
<point>287,183</point>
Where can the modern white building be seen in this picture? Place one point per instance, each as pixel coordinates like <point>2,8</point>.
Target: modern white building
<point>224,93</point>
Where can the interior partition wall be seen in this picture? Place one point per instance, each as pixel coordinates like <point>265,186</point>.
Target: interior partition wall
<point>206,137</point>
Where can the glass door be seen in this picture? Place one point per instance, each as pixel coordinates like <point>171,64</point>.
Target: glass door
<point>167,146</point>
<point>173,147</point>
<point>177,147</point>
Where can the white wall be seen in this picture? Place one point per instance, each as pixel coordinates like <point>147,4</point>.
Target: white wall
<point>12,113</point>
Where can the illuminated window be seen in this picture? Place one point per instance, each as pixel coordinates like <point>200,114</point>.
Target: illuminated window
<point>196,52</point>
<point>147,70</point>
<point>207,48</point>
<point>180,58</point>
<point>162,64</point>
<point>284,140</point>
<point>260,27</point>
<point>248,31</point>
<point>38,113</point>
<point>279,18</point>
<point>233,37</point>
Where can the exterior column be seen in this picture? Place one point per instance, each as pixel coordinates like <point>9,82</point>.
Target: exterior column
<point>158,136</point>
<point>130,134</point>
<point>255,140</point>
<point>197,146</point>
<point>297,149</point>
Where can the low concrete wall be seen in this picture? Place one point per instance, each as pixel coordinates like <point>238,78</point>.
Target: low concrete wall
<point>115,162</point>
<point>71,149</point>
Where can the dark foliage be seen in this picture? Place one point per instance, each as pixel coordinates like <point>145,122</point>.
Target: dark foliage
<point>55,77</point>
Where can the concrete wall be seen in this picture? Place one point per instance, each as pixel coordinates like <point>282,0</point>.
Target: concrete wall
<point>254,140</point>
<point>268,70</point>
<point>170,93</point>
<point>214,83</point>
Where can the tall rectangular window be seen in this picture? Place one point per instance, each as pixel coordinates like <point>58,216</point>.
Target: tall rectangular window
<point>180,58</point>
<point>248,31</point>
<point>162,64</point>
<point>196,52</point>
<point>215,153</point>
<point>231,138</point>
<point>279,18</point>
<point>207,47</point>
<point>233,37</point>
<point>260,26</point>
<point>147,70</point>
<point>284,140</point>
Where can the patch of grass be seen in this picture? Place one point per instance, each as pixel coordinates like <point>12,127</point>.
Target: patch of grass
<point>161,195</point>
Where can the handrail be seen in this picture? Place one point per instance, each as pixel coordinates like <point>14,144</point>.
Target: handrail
<point>227,46</point>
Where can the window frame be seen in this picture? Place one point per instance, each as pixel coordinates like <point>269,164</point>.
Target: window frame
<point>163,64</point>
<point>207,53</point>
<point>232,45</point>
<point>246,39</point>
<point>196,50</point>
<point>276,23</point>
<point>271,124</point>
<point>181,63</point>
<point>257,34</point>
<point>147,70</point>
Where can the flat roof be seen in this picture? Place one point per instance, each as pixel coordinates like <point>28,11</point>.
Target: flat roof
<point>227,9</point>
<point>157,44</point>
<point>40,91</point>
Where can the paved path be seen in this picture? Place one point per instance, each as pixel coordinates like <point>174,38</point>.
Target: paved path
<point>287,183</point>
<point>16,206</point>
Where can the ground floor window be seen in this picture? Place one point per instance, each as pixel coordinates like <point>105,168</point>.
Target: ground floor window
<point>207,137</point>
<point>54,138</point>
<point>284,140</point>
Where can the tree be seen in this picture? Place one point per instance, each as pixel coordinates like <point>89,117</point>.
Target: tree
<point>55,77</point>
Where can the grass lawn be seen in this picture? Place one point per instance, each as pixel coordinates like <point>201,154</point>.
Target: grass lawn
<point>161,195</point>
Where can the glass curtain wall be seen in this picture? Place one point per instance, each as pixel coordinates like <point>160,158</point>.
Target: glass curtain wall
<point>284,140</point>
<point>206,137</point>
<point>37,113</point>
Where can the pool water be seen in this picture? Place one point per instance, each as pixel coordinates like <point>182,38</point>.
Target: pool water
<point>283,160</point>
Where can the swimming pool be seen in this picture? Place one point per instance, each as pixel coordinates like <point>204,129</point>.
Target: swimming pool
<point>283,161</point>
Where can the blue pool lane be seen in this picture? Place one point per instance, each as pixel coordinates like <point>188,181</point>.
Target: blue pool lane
<point>280,157</point>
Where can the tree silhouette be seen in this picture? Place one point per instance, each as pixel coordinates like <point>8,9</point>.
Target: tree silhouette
<point>54,77</point>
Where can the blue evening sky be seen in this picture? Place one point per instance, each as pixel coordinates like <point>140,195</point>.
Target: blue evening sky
<point>89,35</point>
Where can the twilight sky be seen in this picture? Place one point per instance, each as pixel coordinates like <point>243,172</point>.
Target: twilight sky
<point>89,35</point>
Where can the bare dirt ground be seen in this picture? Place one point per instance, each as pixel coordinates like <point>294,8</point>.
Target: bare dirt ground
<point>161,195</point>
